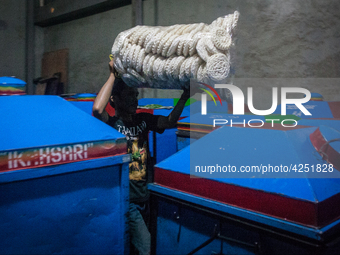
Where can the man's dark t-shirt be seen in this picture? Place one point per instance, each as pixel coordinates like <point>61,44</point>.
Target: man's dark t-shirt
<point>136,133</point>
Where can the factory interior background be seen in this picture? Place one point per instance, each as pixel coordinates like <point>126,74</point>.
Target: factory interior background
<point>72,208</point>
<point>274,39</point>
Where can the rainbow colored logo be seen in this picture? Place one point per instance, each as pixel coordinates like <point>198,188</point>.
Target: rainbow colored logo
<point>209,93</point>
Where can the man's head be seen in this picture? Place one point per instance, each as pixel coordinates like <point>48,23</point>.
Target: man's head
<point>124,98</point>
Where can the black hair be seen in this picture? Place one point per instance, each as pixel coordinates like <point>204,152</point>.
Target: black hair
<point>118,87</point>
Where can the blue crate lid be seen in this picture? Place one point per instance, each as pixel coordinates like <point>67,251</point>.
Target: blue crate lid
<point>11,81</point>
<point>318,109</point>
<point>333,123</point>
<point>35,121</point>
<point>236,146</point>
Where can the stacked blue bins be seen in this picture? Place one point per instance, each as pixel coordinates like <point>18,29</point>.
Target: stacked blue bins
<point>12,86</point>
<point>227,212</point>
<point>184,136</point>
<point>84,101</point>
<point>196,126</point>
<point>162,145</point>
<point>318,109</point>
<point>63,180</point>
<point>333,123</point>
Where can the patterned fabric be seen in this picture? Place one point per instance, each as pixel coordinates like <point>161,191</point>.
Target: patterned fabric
<point>136,133</point>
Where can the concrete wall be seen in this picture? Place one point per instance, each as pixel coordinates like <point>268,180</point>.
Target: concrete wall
<point>275,39</point>
<point>12,38</point>
<point>89,41</point>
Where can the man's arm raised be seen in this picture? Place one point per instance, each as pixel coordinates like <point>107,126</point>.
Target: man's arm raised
<point>171,120</point>
<point>103,97</point>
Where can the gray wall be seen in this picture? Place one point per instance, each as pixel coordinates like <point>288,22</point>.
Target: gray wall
<point>12,38</point>
<point>89,41</point>
<point>275,39</point>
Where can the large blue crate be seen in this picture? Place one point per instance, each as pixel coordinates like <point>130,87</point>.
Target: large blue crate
<point>235,215</point>
<point>63,180</point>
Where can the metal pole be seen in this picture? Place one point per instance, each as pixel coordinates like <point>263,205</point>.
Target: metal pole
<point>137,12</point>
<point>29,48</point>
<point>156,12</point>
<point>137,19</point>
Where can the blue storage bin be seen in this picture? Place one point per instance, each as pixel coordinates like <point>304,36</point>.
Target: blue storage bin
<point>63,180</point>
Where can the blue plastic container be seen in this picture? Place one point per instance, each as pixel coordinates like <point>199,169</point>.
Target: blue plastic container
<point>258,214</point>
<point>12,86</point>
<point>63,180</point>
